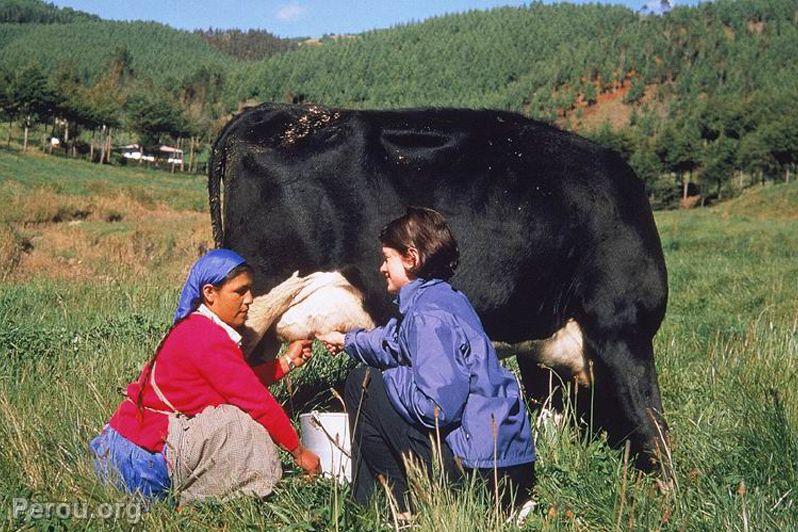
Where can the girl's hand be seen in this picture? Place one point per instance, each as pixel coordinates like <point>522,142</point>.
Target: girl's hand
<point>333,341</point>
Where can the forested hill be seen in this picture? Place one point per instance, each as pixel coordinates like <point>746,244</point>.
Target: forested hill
<point>156,52</point>
<point>251,45</point>
<point>702,95</point>
<point>28,11</point>
<point>37,32</point>
<point>542,58</point>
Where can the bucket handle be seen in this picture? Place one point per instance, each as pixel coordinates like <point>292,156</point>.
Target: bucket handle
<point>314,419</point>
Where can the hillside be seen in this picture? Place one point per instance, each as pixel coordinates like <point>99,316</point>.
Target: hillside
<point>75,220</point>
<point>701,96</point>
<point>250,45</point>
<point>34,11</point>
<point>777,203</point>
<point>157,52</point>
<point>520,58</point>
<point>38,32</point>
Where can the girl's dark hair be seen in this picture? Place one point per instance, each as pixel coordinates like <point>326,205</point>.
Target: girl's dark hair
<point>145,374</point>
<point>427,231</point>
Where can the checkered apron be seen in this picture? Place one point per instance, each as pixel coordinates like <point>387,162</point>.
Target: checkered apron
<point>220,453</point>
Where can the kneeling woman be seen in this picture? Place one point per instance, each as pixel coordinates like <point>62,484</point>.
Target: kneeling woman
<point>431,369</point>
<point>199,418</point>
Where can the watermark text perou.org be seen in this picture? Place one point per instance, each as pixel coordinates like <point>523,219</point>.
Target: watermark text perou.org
<point>22,508</point>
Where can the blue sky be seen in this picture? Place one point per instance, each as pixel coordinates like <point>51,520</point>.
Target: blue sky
<point>290,18</point>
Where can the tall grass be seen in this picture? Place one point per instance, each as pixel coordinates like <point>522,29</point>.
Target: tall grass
<point>83,221</point>
<point>727,357</point>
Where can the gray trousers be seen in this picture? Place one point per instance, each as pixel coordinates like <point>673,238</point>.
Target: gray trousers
<point>221,453</point>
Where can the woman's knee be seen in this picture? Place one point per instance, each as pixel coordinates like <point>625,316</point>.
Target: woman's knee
<point>223,452</point>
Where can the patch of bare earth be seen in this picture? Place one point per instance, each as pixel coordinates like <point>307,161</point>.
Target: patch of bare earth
<point>609,108</point>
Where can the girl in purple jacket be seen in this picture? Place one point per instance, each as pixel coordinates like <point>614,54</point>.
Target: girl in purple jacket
<point>432,369</point>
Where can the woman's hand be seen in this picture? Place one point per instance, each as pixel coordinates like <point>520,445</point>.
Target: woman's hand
<point>306,460</point>
<point>297,353</point>
<point>333,341</point>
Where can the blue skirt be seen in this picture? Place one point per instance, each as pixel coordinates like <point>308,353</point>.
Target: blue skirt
<point>127,466</point>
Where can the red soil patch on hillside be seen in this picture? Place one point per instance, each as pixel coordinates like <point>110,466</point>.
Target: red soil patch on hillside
<point>609,108</point>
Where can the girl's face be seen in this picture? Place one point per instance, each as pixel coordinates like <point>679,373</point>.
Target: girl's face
<point>230,301</point>
<point>397,268</point>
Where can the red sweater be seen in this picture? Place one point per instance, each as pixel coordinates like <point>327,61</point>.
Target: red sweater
<point>199,366</point>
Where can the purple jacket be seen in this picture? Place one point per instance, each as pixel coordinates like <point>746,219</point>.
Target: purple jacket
<point>436,354</point>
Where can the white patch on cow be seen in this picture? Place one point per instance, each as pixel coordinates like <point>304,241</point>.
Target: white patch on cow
<point>563,352</point>
<point>302,307</point>
<point>327,303</point>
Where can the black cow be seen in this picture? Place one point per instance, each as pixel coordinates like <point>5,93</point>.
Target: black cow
<point>559,251</point>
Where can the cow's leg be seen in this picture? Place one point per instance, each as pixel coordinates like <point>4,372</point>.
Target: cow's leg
<point>630,406</point>
<point>625,400</point>
<point>552,365</point>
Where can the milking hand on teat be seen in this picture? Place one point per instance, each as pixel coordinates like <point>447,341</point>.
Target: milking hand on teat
<point>325,303</point>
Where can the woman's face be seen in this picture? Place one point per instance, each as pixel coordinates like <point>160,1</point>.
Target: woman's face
<point>397,268</point>
<point>230,301</point>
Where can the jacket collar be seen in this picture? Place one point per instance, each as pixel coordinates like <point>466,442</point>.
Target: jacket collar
<point>232,333</point>
<point>410,292</point>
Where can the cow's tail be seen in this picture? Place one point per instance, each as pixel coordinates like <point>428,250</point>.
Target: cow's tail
<point>215,173</point>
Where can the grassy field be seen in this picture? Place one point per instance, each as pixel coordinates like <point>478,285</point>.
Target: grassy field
<point>91,259</point>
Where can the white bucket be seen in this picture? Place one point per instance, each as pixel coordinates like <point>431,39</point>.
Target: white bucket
<point>327,435</point>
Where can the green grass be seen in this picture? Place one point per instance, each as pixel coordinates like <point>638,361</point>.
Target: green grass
<point>778,202</point>
<point>76,177</point>
<point>727,357</point>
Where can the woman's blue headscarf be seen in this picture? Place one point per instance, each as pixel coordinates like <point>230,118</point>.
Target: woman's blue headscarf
<point>211,268</point>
